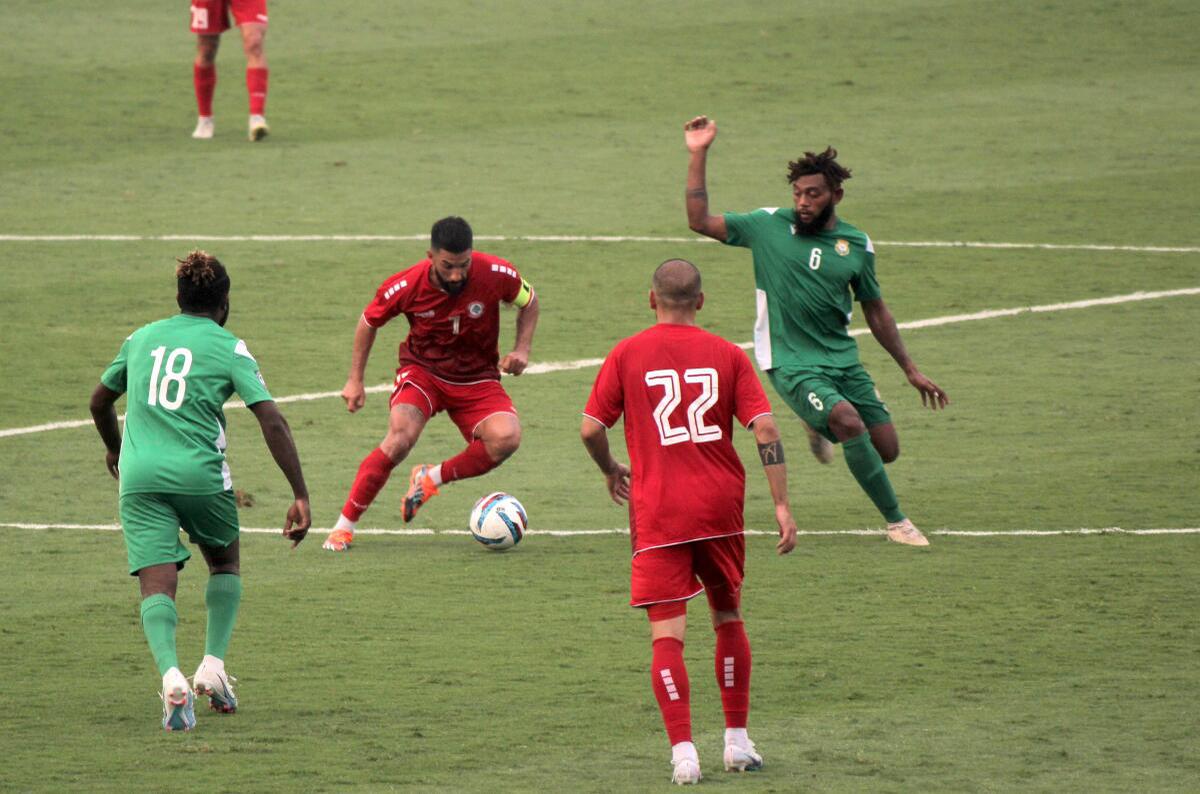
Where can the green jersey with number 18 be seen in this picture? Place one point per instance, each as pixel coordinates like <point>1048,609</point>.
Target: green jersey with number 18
<point>177,374</point>
<point>802,285</point>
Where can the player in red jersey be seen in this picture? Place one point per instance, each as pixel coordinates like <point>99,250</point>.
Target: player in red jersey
<point>449,362</point>
<point>680,388</point>
<point>210,18</point>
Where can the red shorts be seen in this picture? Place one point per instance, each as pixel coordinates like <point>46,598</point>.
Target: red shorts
<point>682,571</point>
<point>210,17</point>
<point>467,404</point>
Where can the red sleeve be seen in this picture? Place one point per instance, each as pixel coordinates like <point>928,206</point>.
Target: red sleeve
<point>508,280</point>
<point>751,400</point>
<point>388,302</point>
<point>607,401</point>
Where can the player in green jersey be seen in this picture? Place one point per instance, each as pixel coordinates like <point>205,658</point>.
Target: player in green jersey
<point>171,465</point>
<point>807,262</point>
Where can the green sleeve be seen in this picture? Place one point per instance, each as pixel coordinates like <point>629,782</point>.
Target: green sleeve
<point>739,227</point>
<point>247,380</point>
<point>864,284</point>
<point>114,377</point>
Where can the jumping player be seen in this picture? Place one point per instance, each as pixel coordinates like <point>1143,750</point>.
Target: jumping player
<point>171,465</point>
<point>449,362</point>
<point>680,388</point>
<point>210,18</point>
<point>806,263</point>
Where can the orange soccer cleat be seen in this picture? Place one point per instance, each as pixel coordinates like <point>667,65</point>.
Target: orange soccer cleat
<point>420,490</point>
<point>338,540</point>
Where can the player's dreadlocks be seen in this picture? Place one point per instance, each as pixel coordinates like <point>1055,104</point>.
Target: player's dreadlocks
<point>202,282</point>
<point>824,163</point>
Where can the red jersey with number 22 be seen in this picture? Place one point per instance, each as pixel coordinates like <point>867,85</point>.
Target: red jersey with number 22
<point>454,337</point>
<point>680,389</point>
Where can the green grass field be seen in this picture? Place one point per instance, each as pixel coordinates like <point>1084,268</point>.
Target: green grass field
<point>991,663</point>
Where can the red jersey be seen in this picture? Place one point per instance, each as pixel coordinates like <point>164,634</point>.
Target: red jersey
<point>680,388</point>
<point>454,337</point>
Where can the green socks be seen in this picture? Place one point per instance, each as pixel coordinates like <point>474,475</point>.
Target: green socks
<point>222,597</point>
<point>159,619</point>
<point>867,467</point>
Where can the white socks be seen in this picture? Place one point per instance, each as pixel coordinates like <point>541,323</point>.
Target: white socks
<point>684,750</point>
<point>345,523</point>
<point>435,474</point>
<point>218,665</point>
<point>737,736</point>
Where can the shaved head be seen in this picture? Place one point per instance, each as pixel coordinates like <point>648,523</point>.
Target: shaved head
<point>676,284</point>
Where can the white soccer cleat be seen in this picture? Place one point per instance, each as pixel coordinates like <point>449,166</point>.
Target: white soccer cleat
<point>905,532</point>
<point>177,698</point>
<point>821,447</point>
<point>742,758</point>
<point>217,685</point>
<point>259,128</point>
<point>686,773</point>
<point>204,128</point>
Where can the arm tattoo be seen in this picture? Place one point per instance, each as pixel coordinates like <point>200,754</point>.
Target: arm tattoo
<point>771,453</point>
<point>697,193</point>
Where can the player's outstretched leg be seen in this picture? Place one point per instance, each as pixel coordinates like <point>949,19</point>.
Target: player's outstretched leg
<point>867,467</point>
<point>495,439</point>
<point>373,474</point>
<point>733,663</point>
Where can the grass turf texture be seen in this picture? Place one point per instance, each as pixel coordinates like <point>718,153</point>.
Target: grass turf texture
<point>1052,664</point>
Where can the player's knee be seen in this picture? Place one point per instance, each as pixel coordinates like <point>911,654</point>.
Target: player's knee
<point>502,445</point>
<point>846,424</point>
<point>889,454</point>
<point>396,445</point>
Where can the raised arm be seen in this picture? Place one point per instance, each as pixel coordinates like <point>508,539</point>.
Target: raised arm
<point>279,440</point>
<point>527,316</point>
<point>354,393</point>
<point>883,328</point>
<point>770,450</point>
<point>699,134</point>
<point>105,417</point>
<point>616,475</point>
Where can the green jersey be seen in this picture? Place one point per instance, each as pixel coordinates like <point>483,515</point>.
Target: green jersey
<point>802,285</point>
<point>178,373</point>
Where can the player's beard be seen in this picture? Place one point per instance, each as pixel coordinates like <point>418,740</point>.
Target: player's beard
<point>451,287</point>
<point>817,224</point>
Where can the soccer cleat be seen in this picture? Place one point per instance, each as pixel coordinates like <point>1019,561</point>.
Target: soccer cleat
<point>258,128</point>
<point>420,490</point>
<point>740,758</point>
<point>821,447</point>
<point>904,532</point>
<point>338,540</point>
<point>686,772</point>
<point>218,685</point>
<point>179,713</point>
<point>204,128</point>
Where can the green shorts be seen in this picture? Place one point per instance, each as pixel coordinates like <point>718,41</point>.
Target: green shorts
<point>813,391</point>
<point>151,524</point>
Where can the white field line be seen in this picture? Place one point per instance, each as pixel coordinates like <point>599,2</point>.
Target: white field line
<point>551,238</point>
<point>583,363</point>
<point>1035,533</point>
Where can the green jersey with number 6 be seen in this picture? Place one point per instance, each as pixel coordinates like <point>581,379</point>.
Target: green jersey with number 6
<point>802,285</point>
<point>177,374</point>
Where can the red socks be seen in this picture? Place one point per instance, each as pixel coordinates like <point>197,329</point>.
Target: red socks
<point>372,475</point>
<point>204,78</point>
<point>669,679</point>
<point>471,462</point>
<point>256,85</point>
<point>733,672</point>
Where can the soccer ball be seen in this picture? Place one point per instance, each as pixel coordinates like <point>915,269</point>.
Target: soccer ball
<point>498,521</point>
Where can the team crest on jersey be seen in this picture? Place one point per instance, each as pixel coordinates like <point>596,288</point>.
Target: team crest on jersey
<point>842,247</point>
<point>475,309</point>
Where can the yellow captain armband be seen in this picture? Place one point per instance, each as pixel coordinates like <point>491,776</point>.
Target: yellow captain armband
<point>524,296</point>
